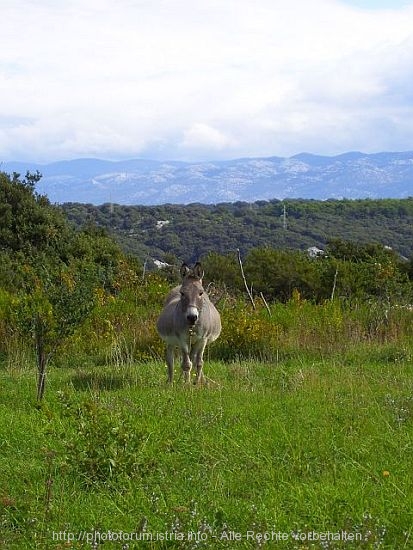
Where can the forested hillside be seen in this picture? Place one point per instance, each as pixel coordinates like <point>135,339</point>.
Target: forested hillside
<point>189,232</point>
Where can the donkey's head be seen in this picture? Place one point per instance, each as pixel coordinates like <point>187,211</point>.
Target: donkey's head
<point>192,292</point>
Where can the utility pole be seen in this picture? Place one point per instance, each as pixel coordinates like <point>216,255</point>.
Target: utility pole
<point>111,209</point>
<point>284,217</point>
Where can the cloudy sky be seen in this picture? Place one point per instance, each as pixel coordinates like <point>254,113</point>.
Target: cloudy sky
<point>204,79</point>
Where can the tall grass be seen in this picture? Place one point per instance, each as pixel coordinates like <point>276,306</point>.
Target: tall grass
<point>123,331</point>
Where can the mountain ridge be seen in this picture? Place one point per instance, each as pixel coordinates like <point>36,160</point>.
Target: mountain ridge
<point>351,175</point>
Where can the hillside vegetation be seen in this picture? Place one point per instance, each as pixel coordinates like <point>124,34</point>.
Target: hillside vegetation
<point>305,424</point>
<point>191,231</point>
<point>73,289</point>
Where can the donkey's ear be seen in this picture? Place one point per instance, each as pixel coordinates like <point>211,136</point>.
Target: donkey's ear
<point>198,271</point>
<point>184,270</point>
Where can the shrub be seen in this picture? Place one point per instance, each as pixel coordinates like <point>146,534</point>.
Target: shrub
<point>104,446</point>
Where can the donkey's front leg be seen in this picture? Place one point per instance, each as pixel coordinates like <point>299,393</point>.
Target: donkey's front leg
<point>186,364</point>
<point>198,359</point>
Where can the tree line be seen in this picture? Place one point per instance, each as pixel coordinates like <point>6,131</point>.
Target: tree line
<point>345,270</point>
<point>191,231</point>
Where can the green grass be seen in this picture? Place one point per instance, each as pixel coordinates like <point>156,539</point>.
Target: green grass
<point>303,445</point>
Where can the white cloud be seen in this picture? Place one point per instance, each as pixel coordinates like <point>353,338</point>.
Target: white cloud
<point>185,79</point>
<point>202,136</point>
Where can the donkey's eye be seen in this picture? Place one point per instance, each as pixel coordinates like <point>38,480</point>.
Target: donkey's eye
<point>201,292</point>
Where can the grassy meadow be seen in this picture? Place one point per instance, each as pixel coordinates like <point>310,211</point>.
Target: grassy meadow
<point>302,438</point>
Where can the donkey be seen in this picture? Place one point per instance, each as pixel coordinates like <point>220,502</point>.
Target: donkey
<point>189,321</point>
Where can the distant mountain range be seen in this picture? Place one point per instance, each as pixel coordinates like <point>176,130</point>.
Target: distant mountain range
<point>149,182</point>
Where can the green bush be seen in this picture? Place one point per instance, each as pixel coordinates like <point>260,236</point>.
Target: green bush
<point>103,446</point>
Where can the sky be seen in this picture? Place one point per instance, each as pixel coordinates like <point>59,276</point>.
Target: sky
<point>204,79</point>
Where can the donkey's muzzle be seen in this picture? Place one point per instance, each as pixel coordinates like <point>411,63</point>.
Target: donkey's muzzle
<point>192,315</point>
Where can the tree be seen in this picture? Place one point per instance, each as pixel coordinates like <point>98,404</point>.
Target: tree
<point>223,269</point>
<point>28,222</point>
<point>277,273</point>
<point>59,300</point>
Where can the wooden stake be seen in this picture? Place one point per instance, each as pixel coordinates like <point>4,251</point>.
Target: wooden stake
<point>334,284</point>
<point>243,278</point>
<point>265,303</point>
